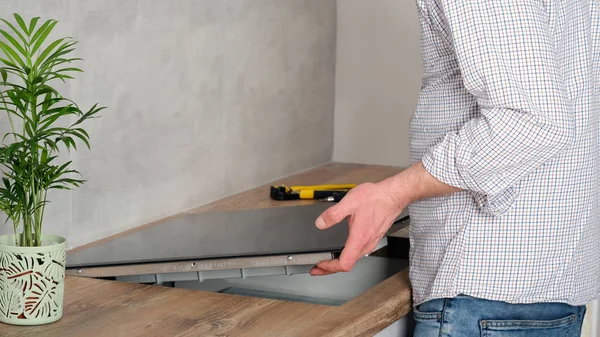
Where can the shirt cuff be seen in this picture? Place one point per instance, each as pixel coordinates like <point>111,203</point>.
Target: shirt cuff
<point>444,163</point>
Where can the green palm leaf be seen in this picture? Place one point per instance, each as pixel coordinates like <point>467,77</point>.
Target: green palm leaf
<point>12,54</point>
<point>32,24</point>
<point>41,34</point>
<point>14,42</point>
<point>16,31</point>
<point>47,51</point>
<point>20,21</point>
<point>28,67</point>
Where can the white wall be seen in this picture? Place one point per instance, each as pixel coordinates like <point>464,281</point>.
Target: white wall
<point>378,77</point>
<point>205,99</point>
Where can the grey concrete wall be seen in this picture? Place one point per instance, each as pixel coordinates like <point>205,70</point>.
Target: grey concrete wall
<point>378,79</point>
<point>205,98</point>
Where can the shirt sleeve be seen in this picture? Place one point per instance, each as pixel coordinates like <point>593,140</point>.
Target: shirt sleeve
<point>507,55</point>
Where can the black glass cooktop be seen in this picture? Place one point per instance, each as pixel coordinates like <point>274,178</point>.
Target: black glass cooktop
<point>258,232</point>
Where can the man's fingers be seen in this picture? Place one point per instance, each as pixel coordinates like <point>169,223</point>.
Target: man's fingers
<point>333,215</point>
<point>330,266</point>
<point>316,271</point>
<point>351,253</point>
<point>370,248</point>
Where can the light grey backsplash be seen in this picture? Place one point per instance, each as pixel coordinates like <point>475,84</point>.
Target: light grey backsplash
<point>205,98</point>
<point>378,80</point>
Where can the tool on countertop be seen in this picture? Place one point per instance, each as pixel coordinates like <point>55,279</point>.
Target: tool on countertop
<point>331,192</point>
<point>336,197</point>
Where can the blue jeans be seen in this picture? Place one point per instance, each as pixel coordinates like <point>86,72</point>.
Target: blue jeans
<point>468,316</point>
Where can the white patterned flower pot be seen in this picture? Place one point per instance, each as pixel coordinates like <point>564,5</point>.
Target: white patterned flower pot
<point>32,281</point>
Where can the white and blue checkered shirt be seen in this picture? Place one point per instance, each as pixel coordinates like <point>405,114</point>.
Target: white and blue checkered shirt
<point>509,112</point>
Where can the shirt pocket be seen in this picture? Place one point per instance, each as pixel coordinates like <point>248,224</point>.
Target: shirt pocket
<point>527,328</point>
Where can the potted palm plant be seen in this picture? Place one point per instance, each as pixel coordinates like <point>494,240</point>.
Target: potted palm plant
<point>42,124</point>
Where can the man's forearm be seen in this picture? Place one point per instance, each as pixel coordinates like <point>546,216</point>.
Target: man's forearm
<point>414,184</point>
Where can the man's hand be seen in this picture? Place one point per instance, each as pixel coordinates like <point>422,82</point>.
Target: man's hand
<point>371,209</point>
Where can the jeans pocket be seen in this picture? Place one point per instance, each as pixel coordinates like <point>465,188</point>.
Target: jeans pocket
<point>427,316</point>
<point>527,328</point>
<point>427,323</point>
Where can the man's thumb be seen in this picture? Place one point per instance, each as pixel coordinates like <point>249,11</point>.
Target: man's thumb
<point>331,217</point>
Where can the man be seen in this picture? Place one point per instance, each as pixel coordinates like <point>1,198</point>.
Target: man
<point>503,192</point>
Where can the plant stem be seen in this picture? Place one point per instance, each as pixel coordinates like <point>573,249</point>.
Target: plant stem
<point>16,220</point>
<point>28,213</point>
<point>38,216</point>
<point>12,124</point>
<point>26,237</point>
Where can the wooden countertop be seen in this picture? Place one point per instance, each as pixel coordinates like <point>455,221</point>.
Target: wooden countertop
<point>108,308</point>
